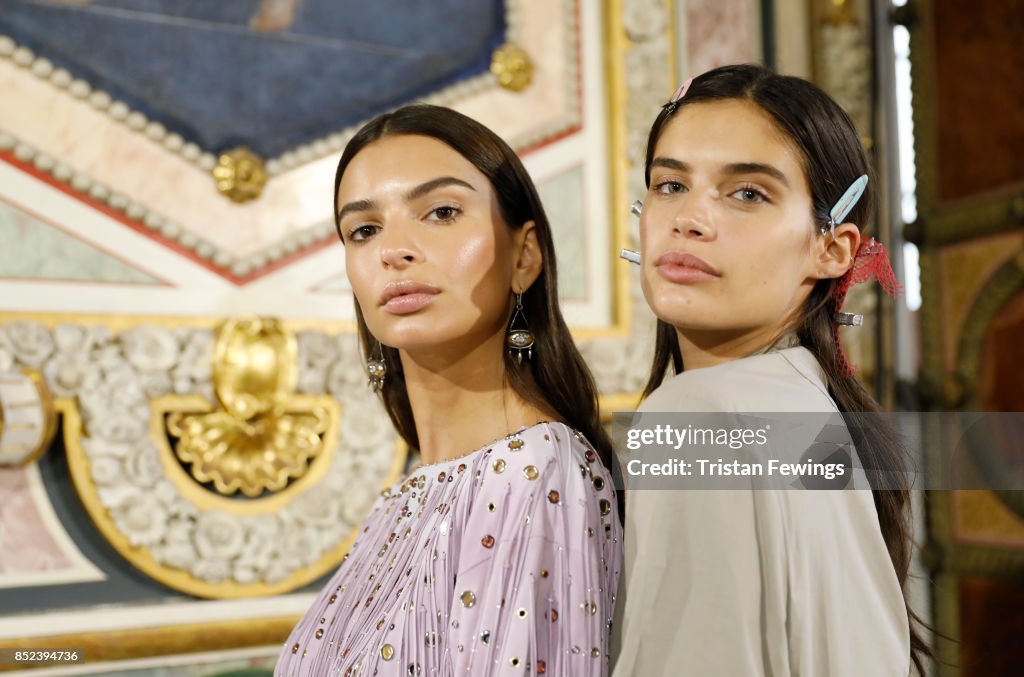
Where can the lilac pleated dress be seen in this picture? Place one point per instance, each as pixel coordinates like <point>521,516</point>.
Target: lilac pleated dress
<point>502,562</point>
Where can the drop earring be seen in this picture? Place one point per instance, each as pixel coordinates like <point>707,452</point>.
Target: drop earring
<point>376,370</point>
<point>519,338</point>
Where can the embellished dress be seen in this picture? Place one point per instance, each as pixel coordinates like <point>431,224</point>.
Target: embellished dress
<point>502,562</point>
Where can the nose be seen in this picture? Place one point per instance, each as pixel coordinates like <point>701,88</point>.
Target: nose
<point>398,250</point>
<point>693,219</point>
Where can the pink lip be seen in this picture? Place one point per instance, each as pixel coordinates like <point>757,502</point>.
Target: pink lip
<point>406,296</point>
<point>684,268</point>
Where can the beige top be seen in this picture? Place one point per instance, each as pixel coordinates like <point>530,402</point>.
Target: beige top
<point>747,583</point>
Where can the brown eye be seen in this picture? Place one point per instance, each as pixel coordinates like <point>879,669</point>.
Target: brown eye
<point>670,187</point>
<point>444,213</point>
<point>360,233</point>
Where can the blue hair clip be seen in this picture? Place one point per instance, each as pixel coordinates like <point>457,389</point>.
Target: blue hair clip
<point>844,204</point>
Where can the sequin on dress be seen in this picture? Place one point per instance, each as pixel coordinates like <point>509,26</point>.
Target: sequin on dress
<point>502,562</point>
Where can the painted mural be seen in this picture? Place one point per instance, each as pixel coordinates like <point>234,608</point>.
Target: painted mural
<point>266,74</point>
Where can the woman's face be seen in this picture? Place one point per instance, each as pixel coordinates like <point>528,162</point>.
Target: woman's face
<point>726,232</point>
<point>427,253</point>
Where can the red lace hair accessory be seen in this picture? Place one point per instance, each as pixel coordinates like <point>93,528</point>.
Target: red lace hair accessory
<point>871,261</point>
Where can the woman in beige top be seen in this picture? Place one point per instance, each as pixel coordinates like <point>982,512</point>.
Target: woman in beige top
<point>748,244</point>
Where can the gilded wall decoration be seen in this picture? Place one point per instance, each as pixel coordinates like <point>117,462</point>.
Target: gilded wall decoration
<point>512,67</point>
<point>261,435</point>
<point>28,421</point>
<point>240,174</point>
<point>151,510</point>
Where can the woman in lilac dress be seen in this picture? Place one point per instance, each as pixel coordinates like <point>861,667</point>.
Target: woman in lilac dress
<point>500,553</point>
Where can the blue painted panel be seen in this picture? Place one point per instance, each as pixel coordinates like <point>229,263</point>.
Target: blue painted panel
<point>268,74</point>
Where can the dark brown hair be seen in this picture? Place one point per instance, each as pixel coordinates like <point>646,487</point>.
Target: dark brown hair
<point>556,377</point>
<point>832,158</point>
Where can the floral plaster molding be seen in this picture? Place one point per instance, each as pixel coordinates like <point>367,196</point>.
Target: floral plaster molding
<point>230,548</point>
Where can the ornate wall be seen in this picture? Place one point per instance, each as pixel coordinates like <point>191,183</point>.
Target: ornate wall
<point>165,177</point>
<point>968,144</point>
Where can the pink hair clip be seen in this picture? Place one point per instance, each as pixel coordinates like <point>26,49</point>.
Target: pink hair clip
<point>681,92</point>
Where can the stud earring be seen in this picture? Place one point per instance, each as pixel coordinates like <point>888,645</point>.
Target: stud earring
<point>376,370</point>
<point>519,338</point>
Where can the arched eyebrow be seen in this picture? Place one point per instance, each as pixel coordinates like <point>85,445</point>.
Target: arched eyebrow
<point>418,191</point>
<point>356,206</point>
<point>757,168</point>
<point>434,184</point>
<point>729,169</point>
<point>670,163</point>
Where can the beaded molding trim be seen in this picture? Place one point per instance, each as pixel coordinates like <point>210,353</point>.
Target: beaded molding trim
<point>328,145</point>
<point>237,269</point>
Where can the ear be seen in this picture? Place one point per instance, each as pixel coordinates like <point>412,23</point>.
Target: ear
<point>834,254</point>
<point>527,260</point>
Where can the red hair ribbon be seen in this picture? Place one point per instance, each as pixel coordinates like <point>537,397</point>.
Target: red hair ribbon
<point>871,261</point>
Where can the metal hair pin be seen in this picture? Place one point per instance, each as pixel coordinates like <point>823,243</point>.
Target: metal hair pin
<point>849,319</point>
<point>628,254</point>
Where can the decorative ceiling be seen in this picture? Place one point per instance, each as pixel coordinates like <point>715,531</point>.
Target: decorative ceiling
<point>271,75</point>
<point>193,142</point>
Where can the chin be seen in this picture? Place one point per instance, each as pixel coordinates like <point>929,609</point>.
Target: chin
<point>417,336</point>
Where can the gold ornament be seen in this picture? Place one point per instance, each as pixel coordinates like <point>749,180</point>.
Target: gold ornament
<point>841,13</point>
<point>260,438</point>
<point>28,421</point>
<point>512,67</point>
<point>240,175</point>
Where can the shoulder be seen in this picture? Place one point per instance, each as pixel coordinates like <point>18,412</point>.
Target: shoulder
<point>784,380</point>
<point>551,463</point>
<point>552,449</point>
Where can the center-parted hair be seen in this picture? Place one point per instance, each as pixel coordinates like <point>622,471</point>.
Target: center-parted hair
<point>556,377</point>
<point>832,158</point>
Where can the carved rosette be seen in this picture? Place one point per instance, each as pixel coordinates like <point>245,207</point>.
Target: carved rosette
<point>512,67</point>
<point>240,175</point>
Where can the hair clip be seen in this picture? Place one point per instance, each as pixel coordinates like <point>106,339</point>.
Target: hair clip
<point>673,103</point>
<point>844,204</point>
<point>681,92</point>
<point>630,255</point>
<point>849,319</point>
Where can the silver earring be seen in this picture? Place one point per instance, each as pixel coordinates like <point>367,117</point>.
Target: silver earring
<point>519,339</point>
<point>376,370</point>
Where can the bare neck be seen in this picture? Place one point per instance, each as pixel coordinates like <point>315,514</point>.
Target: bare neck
<point>461,400</point>
<point>707,348</point>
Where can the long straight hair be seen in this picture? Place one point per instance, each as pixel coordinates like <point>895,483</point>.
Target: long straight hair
<point>556,377</point>
<point>832,158</point>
